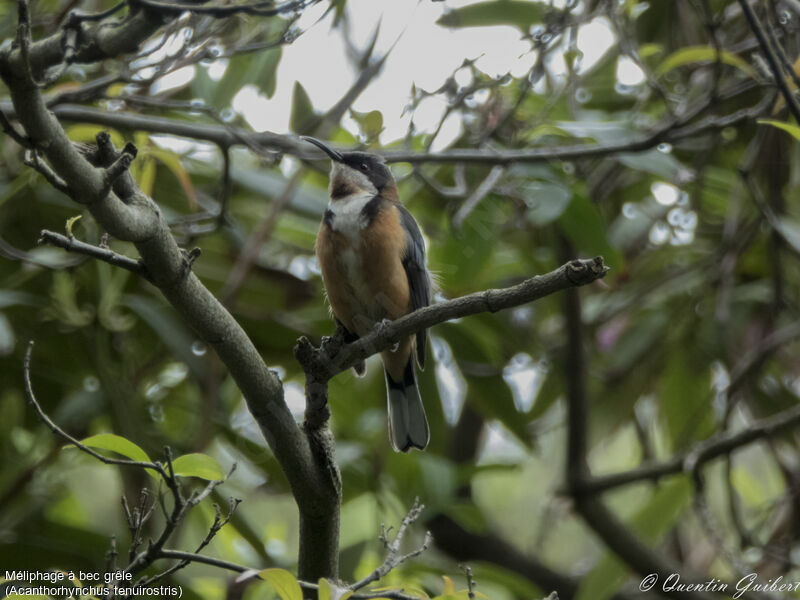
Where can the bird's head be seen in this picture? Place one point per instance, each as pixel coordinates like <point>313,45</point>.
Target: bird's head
<point>356,172</point>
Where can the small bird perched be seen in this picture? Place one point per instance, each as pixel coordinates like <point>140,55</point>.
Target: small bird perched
<point>372,257</point>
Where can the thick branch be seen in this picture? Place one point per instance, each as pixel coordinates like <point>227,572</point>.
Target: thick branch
<point>615,535</point>
<point>130,216</point>
<point>464,545</point>
<point>98,40</point>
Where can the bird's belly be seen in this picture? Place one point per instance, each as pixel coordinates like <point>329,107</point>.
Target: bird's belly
<point>365,310</point>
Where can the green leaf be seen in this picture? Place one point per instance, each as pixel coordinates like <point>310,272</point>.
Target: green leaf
<point>468,515</point>
<point>548,129</point>
<point>494,399</point>
<point>449,592</point>
<point>516,13</point>
<point>662,164</point>
<point>6,336</point>
<point>438,480</point>
<point>258,68</point>
<point>792,130</point>
<point>146,176</point>
<point>302,109</point>
<point>461,257</point>
<point>88,133</point>
<point>173,162</point>
<point>118,444</point>
<point>685,401</point>
<point>638,339</point>
<point>285,583</point>
<point>790,230</point>
<point>585,228</point>
<point>358,518</point>
<point>173,332</point>
<point>70,222</point>
<point>648,50</point>
<point>203,86</point>
<point>546,201</point>
<point>371,123</point>
<point>326,591</point>
<point>695,54</point>
<point>198,465</point>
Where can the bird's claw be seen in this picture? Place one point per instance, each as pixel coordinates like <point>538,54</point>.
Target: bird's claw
<point>332,344</point>
<point>380,327</point>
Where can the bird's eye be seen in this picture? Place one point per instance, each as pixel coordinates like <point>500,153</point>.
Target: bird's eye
<point>364,167</point>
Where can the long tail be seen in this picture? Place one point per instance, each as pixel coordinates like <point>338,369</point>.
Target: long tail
<point>408,425</point>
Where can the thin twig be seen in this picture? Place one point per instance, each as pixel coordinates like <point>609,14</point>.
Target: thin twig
<point>702,452</point>
<point>31,159</point>
<point>70,244</point>
<point>219,523</point>
<point>470,581</point>
<point>393,556</point>
<point>98,16</point>
<point>9,130</point>
<point>483,190</point>
<point>261,9</point>
<point>772,59</point>
<point>256,240</point>
<point>668,131</point>
<point>26,370</point>
<point>225,187</point>
<point>458,191</point>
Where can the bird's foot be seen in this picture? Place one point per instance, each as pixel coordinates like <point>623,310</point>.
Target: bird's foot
<point>380,327</point>
<point>330,345</point>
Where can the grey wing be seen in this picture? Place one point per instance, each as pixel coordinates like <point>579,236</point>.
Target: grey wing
<point>419,281</point>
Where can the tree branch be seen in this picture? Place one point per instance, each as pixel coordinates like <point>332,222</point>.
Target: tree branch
<point>139,516</point>
<point>70,244</point>
<point>333,358</point>
<point>226,136</point>
<point>700,453</point>
<point>483,190</point>
<point>772,59</point>
<point>393,556</point>
<point>129,215</point>
<point>464,545</point>
<point>267,8</point>
<point>99,40</point>
<point>615,534</point>
<point>26,372</point>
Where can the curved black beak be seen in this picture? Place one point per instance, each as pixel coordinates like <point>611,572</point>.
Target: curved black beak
<point>324,147</point>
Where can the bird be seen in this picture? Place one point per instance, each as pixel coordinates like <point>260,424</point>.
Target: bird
<point>371,254</point>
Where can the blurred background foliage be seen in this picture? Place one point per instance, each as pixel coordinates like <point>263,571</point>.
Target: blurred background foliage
<point>701,275</point>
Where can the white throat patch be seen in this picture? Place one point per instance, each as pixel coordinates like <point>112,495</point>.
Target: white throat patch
<point>347,217</point>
